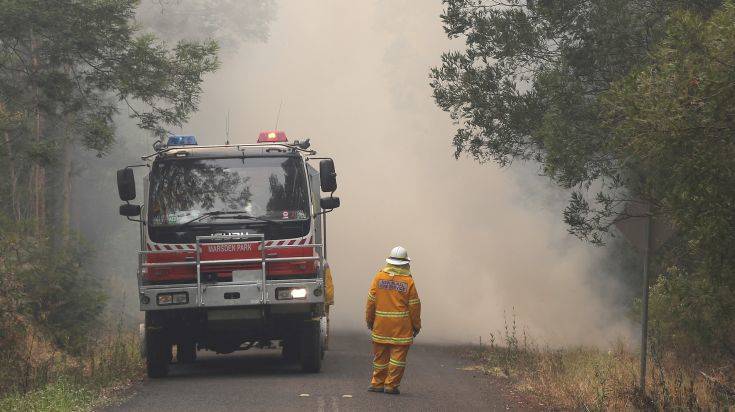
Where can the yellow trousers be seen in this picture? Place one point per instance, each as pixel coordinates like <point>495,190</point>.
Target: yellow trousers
<point>389,362</point>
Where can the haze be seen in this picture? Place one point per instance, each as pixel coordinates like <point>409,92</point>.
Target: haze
<point>352,76</point>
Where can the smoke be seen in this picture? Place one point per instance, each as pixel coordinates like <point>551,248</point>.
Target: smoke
<point>487,243</point>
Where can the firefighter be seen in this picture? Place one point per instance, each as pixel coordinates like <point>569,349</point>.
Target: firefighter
<point>393,314</point>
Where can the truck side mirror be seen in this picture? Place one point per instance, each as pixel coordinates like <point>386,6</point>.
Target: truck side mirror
<point>327,176</point>
<point>129,210</point>
<point>126,184</point>
<point>329,203</point>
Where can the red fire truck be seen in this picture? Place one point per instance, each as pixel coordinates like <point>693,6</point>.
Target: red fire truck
<point>232,248</point>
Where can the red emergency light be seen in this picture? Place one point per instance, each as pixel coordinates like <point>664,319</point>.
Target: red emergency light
<point>272,136</point>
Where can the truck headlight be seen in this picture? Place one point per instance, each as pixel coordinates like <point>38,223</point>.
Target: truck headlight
<point>290,293</point>
<point>175,298</point>
<point>299,293</point>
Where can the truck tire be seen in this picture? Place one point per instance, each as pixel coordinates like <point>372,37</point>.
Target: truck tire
<point>290,351</point>
<point>311,349</point>
<point>157,349</point>
<point>186,352</point>
<point>158,354</point>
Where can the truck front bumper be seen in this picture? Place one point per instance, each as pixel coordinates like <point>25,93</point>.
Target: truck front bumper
<point>223,295</point>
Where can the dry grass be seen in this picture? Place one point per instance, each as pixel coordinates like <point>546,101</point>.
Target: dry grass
<point>44,378</point>
<point>593,379</point>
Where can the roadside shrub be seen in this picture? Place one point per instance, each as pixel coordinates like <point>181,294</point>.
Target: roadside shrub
<point>50,307</point>
<point>589,378</point>
<point>694,315</point>
<point>65,300</point>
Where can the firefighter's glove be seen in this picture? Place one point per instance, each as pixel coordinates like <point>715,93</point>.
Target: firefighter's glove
<point>370,326</point>
<point>416,332</point>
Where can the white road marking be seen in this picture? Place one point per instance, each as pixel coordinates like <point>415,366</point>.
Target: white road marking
<point>304,395</point>
<point>346,396</point>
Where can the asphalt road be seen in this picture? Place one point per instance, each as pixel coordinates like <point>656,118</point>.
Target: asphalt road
<point>258,380</point>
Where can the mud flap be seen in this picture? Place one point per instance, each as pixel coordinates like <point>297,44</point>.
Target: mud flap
<point>324,332</point>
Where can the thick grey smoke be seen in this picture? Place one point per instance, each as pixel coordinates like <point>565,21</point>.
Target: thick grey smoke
<point>352,76</point>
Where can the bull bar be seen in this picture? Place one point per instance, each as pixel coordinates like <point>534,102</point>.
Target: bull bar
<point>233,293</point>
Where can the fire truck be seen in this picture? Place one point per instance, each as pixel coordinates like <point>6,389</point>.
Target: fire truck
<point>232,248</point>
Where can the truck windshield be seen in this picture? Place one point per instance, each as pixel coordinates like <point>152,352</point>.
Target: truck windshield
<point>272,188</point>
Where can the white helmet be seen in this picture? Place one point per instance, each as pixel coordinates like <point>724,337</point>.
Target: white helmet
<point>398,256</point>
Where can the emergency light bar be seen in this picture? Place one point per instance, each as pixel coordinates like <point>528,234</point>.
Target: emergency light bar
<point>272,136</point>
<point>180,140</point>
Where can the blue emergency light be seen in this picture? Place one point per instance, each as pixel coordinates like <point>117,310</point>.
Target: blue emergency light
<point>181,140</point>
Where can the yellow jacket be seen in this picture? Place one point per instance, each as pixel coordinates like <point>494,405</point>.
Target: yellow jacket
<point>393,310</point>
<point>328,286</point>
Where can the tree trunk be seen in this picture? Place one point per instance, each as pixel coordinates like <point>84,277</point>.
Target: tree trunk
<point>66,181</point>
<point>13,179</point>
<point>39,173</point>
<point>12,175</point>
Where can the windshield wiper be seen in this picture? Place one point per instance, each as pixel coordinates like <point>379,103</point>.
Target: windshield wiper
<point>246,216</point>
<point>208,214</point>
<point>227,214</point>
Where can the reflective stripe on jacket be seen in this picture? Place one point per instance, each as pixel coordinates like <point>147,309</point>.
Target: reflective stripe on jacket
<point>393,308</point>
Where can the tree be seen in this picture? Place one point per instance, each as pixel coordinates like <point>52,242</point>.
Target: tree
<point>67,65</point>
<point>229,22</point>
<point>618,101</point>
<point>528,86</point>
<point>674,119</point>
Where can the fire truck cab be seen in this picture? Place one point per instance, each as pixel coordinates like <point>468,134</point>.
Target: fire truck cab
<point>232,248</point>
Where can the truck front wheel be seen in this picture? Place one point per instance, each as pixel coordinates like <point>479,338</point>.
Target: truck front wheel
<point>290,349</point>
<point>157,352</point>
<point>311,347</point>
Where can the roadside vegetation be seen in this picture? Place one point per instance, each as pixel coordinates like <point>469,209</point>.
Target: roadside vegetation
<point>67,68</point>
<point>589,378</point>
<point>49,379</point>
<point>85,88</point>
<point>619,102</point>
<point>59,348</point>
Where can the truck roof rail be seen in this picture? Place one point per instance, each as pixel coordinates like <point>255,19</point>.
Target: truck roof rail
<point>237,146</point>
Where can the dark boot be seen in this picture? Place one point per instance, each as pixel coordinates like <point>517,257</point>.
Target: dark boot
<point>375,389</point>
<point>392,391</point>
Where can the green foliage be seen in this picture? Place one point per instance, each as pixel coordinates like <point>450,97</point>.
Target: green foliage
<point>229,22</point>
<point>59,396</point>
<point>68,69</point>
<point>673,119</point>
<point>82,58</point>
<point>67,301</point>
<point>528,86</point>
<point>694,313</point>
<point>47,288</point>
<point>52,324</point>
<point>618,101</point>
<point>13,323</point>
<point>77,384</point>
